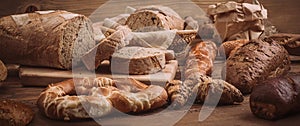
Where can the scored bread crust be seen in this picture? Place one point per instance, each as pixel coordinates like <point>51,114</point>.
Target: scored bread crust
<point>229,48</point>
<point>97,98</point>
<point>154,18</point>
<point>254,62</point>
<point>14,113</point>
<point>3,71</point>
<point>138,60</point>
<point>45,38</point>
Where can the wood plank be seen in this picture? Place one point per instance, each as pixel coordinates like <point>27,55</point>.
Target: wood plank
<point>43,76</point>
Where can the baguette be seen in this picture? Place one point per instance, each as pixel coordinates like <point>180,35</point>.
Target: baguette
<point>45,38</point>
<point>276,98</point>
<point>254,62</point>
<point>197,84</point>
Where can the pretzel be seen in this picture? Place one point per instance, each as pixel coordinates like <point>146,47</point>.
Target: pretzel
<point>198,83</point>
<point>97,97</point>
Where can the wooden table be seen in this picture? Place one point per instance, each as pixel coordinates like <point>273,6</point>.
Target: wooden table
<point>223,115</point>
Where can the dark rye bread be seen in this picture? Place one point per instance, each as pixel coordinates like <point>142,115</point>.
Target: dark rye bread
<point>154,18</point>
<point>13,113</point>
<point>137,60</point>
<point>3,71</point>
<point>254,62</point>
<point>277,97</point>
<point>45,38</point>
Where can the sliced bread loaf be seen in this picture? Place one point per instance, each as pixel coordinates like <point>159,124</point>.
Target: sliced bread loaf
<point>138,60</point>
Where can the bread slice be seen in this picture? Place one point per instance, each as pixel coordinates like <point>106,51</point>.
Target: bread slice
<point>138,60</point>
<point>45,38</point>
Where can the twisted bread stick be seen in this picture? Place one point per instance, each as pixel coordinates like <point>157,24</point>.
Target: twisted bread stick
<point>96,98</point>
<point>197,83</point>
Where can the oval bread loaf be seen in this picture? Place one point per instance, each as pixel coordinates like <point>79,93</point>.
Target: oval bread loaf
<point>256,61</point>
<point>45,38</point>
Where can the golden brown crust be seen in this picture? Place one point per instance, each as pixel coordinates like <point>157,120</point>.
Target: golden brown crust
<point>59,101</point>
<point>14,113</point>
<point>3,71</point>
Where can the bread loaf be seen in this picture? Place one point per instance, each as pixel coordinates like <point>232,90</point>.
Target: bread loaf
<point>137,60</point>
<point>154,18</point>
<point>276,98</point>
<point>104,50</point>
<point>45,38</point>
<point>254,62</point>
<point>3,71</point>
<point>14,113</point>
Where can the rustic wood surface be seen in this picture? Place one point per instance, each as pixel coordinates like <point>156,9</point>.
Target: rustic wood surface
<point>283,14</point>
<point>223,115</point>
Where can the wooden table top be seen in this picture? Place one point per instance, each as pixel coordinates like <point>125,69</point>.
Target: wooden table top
<point>223,115</point>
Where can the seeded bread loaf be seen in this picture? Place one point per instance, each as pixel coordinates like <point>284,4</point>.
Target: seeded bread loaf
<point>45,38</point>
<point>254,62</point>
<point>154,18</point>
<point>3,71</point>
<point>137,60</point>
<point>13,113</point>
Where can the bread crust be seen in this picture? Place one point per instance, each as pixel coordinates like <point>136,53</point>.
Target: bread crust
<point>254,62</point>
<point>3,71</point>
<point>97,98</point>
<point>44,38</point>
<point>14,113</point>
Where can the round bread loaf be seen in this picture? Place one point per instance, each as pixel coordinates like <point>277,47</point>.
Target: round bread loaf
<point>154,18</point>
<point>256,61</point>
<point>138,60</point>
<point>14,113</point>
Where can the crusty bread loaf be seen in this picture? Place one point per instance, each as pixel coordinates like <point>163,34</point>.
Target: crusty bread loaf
<point>45,38</point>
<point>3,71</point>
<point>276,98</point>
<point>254,62</point>
<point>14,113</point>
<point>154,18</point>
<point>137,60</point>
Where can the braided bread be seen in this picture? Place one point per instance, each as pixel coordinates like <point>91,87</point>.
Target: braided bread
<point>97,97</point>
<point>197,83</point>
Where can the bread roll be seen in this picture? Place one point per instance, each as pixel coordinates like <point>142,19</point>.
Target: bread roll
<point>276,98</point>
<point>45,38</point>
<point>254,62</point>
